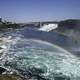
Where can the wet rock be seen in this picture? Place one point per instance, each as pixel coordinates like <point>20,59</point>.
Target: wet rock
<point>10,77</point>
<point>1,48</point>
<point>2,70</point>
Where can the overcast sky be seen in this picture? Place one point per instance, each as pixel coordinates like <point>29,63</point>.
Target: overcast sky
<point>39,10</point>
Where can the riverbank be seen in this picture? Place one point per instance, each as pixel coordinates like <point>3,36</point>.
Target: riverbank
<point>9,77</point>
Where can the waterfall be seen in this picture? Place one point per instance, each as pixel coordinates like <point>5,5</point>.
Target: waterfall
<point>48,27</point>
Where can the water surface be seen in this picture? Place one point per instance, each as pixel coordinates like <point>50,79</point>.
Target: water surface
<point>36,59</point>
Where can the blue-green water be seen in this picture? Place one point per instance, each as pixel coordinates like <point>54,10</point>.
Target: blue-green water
<point>39,60</point>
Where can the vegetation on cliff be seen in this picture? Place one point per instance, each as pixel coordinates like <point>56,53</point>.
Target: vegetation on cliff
<point>70,28</point>
<point>8,25</point>
<point>70,24</point>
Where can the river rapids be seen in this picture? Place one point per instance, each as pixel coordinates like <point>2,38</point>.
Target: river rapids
<point>39,60</point>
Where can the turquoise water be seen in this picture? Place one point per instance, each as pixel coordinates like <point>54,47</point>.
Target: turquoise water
<point>40,60</point>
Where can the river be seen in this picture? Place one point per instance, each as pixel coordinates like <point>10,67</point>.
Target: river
<point>39,55</point>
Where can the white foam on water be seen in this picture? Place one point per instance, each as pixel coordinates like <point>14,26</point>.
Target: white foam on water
<point>30,52</point>
<point>48,27</point>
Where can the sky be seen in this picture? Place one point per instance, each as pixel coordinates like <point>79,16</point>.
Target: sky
<point>39,10</point>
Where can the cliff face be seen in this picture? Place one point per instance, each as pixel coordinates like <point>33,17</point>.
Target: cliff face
<point>70,28</point>
<point>70,24</point>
